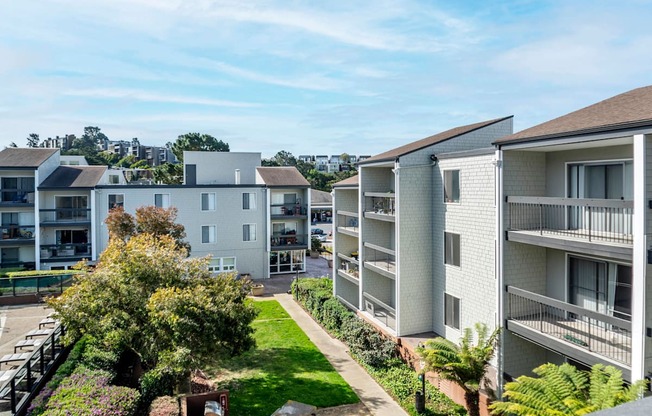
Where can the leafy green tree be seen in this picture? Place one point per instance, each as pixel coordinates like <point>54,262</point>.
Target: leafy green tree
<point>565,390</point>
<point>33,140</point>
<point>464,364</point>
<point>168,173</point>
<point>147,299</point>
<point>87,145</point>
<point>12,144</point>
<point>140,164</point>
<point>126,161</point>
<point>197,142</point>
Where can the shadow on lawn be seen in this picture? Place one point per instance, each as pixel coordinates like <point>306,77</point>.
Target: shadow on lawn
<point>281,360</point>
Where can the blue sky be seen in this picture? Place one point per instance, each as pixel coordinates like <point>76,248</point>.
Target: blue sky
<point>309,77</point>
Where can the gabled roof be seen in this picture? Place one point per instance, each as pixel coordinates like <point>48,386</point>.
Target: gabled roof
<point>15,157</point>
<point>320,198</point>
<point>281,176</point>
<point>628,110</point>
<point>350,182</point>
<point>74,177</point>
<point>429,141</point>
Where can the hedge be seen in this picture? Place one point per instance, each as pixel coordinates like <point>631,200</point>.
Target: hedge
<point>376,353</point>
<point>36,273</point>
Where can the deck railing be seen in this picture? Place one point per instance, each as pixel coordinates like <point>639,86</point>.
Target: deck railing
<point>380,257</point>
<point>65,215</point>
<point>72,250</point>
<point>288,240</point>
<point>35,285</point>
<point>30,377</point>
<point>596,332</point>
<point>605,220</point>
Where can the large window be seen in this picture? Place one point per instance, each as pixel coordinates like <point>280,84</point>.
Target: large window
<point>249,232</point>
<point>162,200</point>
<point>452,186</point>
<point>248,201</point>
<point>208,234</point>
<point>208,201</point>
<point>222,264</point>
<point>72,208</point>
<point>452,249</point>
<point>451,311</point>
<point>116,200</point>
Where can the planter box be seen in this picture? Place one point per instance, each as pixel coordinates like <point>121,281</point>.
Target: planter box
<point>258,290</point>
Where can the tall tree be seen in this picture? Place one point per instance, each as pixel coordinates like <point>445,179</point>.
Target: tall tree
<point>12,144</point>
<point>33,140</point>
<point>168,173</point>
<point>197,142</point>
<point>566,391</point>
<point>464,364</point>
<point>87,145</point>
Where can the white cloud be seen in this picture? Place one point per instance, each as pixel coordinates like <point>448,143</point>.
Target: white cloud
<point>140,95</point>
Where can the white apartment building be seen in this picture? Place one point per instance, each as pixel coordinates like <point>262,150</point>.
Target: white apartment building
<point>249,218</point>
<point>544,233</point>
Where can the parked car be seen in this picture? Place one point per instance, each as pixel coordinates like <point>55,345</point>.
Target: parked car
<point>320,237</point>
<point>317,231</point>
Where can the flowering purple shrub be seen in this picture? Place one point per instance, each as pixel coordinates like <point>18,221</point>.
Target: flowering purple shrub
<point>90,394</point>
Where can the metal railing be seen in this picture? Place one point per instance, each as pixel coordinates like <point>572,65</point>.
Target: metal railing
<point>57,251</point>
<point>17,232</point>
<point>380,310</point>
<point>380,257</point>
<point>65,215</point>
<point>17,196</point>
<point>30,377</point>
<point>380,203</point>
<point>30,285</point>
<point>288,210</point>
<point>349,268</point>
<point>288,240</point>
<point>348,221</point>
<point>596,332</point>
<point>591,219</point>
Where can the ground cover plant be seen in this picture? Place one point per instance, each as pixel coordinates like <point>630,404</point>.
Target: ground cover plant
<point>374,352</point>
<point>285,365</point>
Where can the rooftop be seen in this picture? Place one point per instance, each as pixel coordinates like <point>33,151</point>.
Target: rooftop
<point>352,181</point>
<point>320,198</point>
<point>74,177</point>
<point>14,157</point>
<point>628,110</point>
<point>429,141</point>
<point>282,176</point>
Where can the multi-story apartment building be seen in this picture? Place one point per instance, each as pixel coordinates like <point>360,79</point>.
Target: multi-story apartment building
<point>545,234</point>
<point>249,218</point>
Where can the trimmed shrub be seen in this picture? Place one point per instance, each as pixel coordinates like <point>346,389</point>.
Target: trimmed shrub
<point>155,383</point>
<point>366,343</point>
<point>89,393</point>
<point>99,358</point>
<point>164,406</point>
<point>334,314</point>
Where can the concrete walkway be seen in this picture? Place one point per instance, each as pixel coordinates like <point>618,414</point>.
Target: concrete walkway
<point>371,394</point>
<point>16,321</point>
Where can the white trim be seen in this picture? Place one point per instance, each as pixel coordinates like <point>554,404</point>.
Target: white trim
<point>498,267</point>
<point>201,197</point>
<point>459,312</point>
<point>459,250</point>
<point>169,199</point>
<point>639,259</point>
<point>108,197</point>
<point>459,186</point>
<point>37,223</point>
<point>255,202</point>
<point>255,232</point>
<point>93,239</point>
<point>201,233</point>
<point>590,137</point>
<point>397,247</point>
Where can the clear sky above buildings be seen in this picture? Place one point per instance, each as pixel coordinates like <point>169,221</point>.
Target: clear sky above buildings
<point>309,76</point>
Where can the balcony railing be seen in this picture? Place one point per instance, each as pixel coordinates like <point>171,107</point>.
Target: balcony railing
<point>65,215</point>
<point>602,220</point>
<point>17,196</point>
<point>379,205</point>
<point>289,241</point>
<point>379,310</point>
<point>595,332</point>
<point>288,210</point>
<point>63,251</point>
<point>39,285</point>
<point>17,232</point>
<point>347,222</point>
<point>380,259</point>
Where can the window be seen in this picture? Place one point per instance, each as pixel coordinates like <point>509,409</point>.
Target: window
<point>73,208</point>
<point>208,201</point>
<point>116,200</point>
<point>249,232</point>
<point>452,186</point>
<point>451,311</point>
<point>452,249</point>
<point>114,179</point>
<point>208,234</point>
<point>162,200</point>
<point>223,264</point>
<point>248,201</point>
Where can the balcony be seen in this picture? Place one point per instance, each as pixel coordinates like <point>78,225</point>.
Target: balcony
<point>65,216</point>
<point>347,223</point>
<point>17,235</point>
<point>380,311</point>
<point>348,269</point>
<point>65,252</point>
<point>289,241</point>
<point>285,211</point>
<point>380,260</point>
<point>581,334</point>
<point>17,197</point>
<point>593,226</point>
<point>380,206</point>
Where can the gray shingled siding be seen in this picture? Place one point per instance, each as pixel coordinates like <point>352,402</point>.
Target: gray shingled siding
<point>347,200</point>
<point>648,306</point>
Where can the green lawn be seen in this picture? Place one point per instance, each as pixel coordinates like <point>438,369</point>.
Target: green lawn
<point>284,366</point>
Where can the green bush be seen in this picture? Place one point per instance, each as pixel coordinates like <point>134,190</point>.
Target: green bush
<point>31,273</point>
<point>164,406</point>
<point>99,358</point>
<point>334,314</point>
<point>366,343</point>
<point>156,383</point>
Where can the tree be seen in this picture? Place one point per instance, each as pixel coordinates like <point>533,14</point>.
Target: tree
<point>565,390</point>
<point>197,142</point>
<point>168,173</point>
<point>33,140</point>
<point>12,144</point>
<point>464,364</point>
<point>146,299</point>
<point>86,145</point>
<point>151,220</point>
<point>345,158</point>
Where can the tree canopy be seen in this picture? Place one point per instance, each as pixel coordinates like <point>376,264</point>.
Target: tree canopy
<point>197,142</point>
<point>33,140</point>
<point>566,391</point>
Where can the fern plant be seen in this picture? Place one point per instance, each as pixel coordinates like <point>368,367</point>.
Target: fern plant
<point>464,364</point>
<point>563,390</point>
